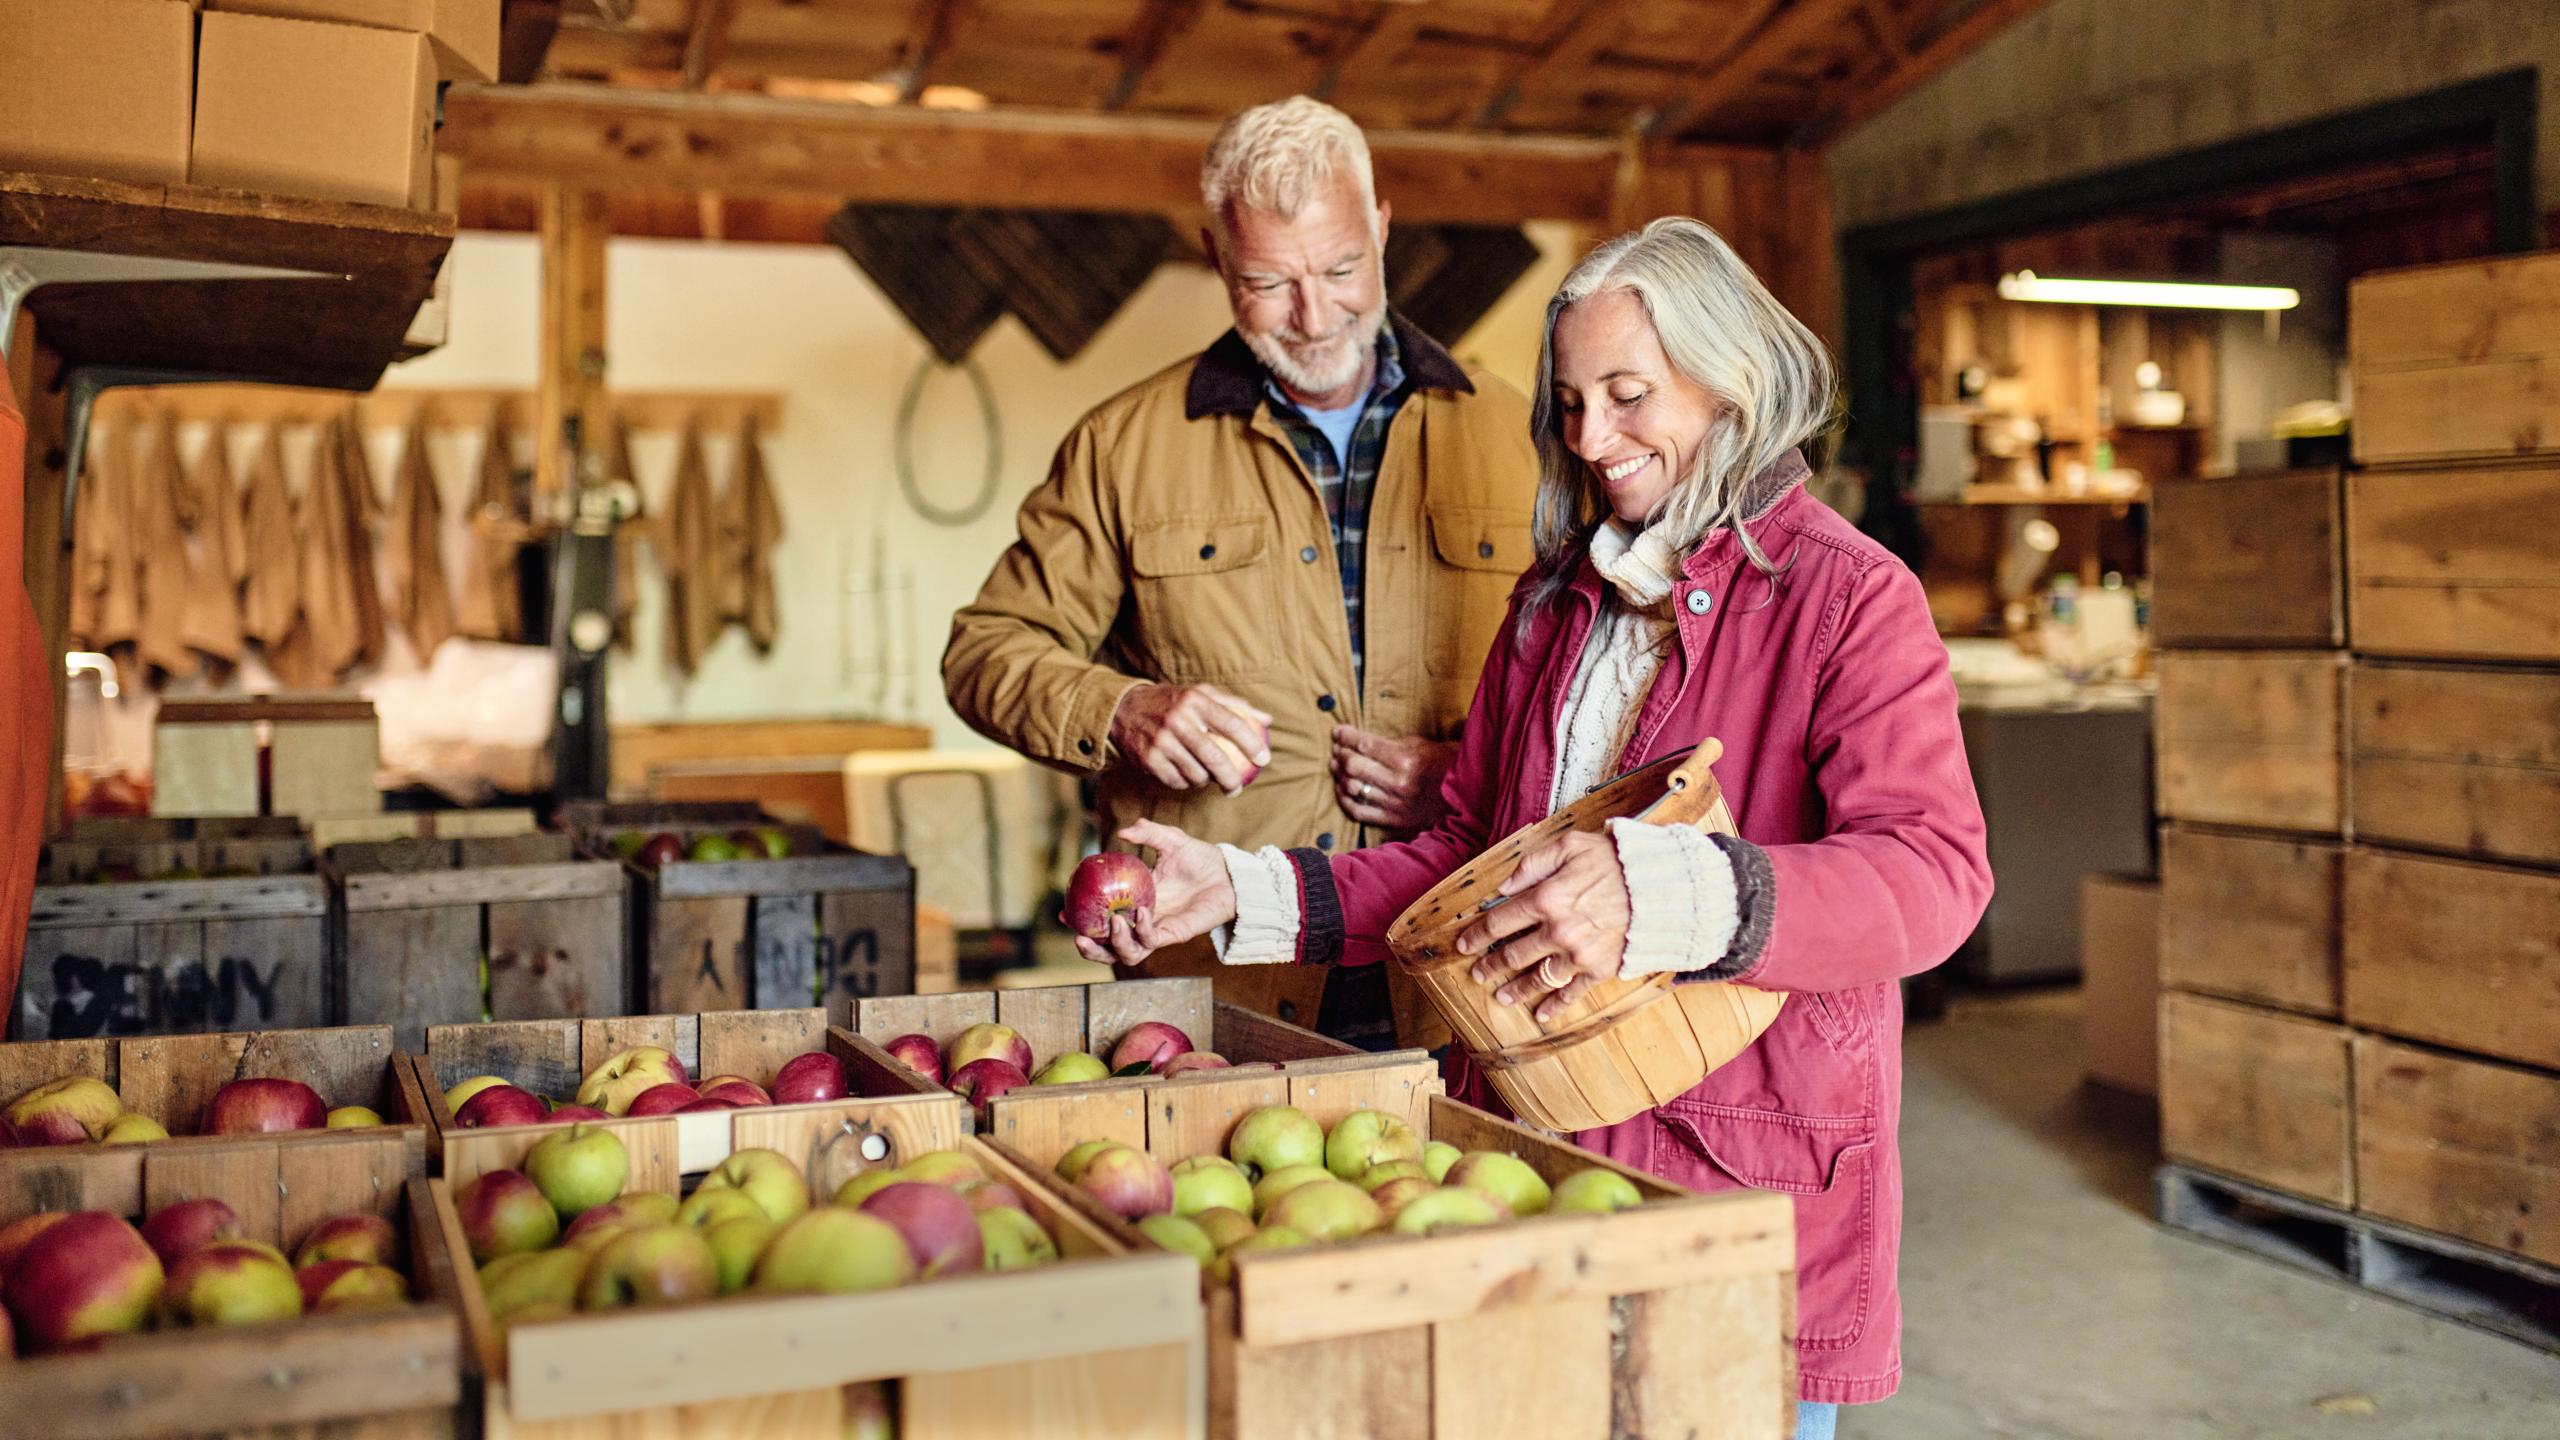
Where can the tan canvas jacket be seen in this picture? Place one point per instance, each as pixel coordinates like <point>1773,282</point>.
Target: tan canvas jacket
<point>1179,539</point>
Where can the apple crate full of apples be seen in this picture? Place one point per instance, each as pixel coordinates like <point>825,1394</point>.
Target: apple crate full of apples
<point>806,1294</point>
<point>450,930</point>
<point>734,910</point>
<point>157,927</point>
<point>1150,1063</point>
<point>1458,1277</point>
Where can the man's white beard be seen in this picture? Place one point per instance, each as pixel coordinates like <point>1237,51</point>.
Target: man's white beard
<point>1345,353</point>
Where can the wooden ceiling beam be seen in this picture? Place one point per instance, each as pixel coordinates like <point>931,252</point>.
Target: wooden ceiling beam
<point>1888,27</point>
<point>707,40</point>
<point>1391,29</point>
<point>1931,58</point>
<point>749,145</point>
<point>1571,41</point>
<point>1767,36</point>
<point>932,36</point>
<point>1162,23</point>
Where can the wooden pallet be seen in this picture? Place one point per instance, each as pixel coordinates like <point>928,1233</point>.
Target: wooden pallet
<point>2478,1286</point>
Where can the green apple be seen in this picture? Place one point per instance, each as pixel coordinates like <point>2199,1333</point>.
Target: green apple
<point>836,1251</point>
<point>1223,1226</point>
<point>1594,1191</point>
<point>1326,1210</point>
<point>1451,1207</point>
<point>1275,1137</point>
<point>71,1109</point>
<point>579,1168</point>
<point>737,1244</point>
<point>706,1208</point>
<point>455,1097</point>
<point>1268,1238</point>
<point>1506,1178</point>
<point>1268,1190</point>
<point>547,1277</point>
<point>1437,1157</point>
<point>354,1117</point>
<point>1014,1241</point>
<point>768,1177</point>
<point>1072,1068</point>
<point>1208,1182</point>
<point>941,1167</point>
<point>650,1265</point>
<point>132,1128</point>
<point>1179,1235</point>
<point>858,1189</point>
<point>1071,1164</point>
<point>1377,1175</point>
<point>1368,1137</point>
<point>1394,1195</point>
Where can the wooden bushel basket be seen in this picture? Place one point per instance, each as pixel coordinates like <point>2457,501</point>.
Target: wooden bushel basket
<point>1626,1046</point>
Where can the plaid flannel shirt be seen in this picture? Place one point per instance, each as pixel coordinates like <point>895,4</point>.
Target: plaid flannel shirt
<point>1345,481</point>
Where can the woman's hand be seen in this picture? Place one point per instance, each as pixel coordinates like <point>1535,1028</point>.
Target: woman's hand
<point>1193,897</point>
<point>1566,923</point>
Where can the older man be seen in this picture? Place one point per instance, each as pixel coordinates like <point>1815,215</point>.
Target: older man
<point>1308,532</point>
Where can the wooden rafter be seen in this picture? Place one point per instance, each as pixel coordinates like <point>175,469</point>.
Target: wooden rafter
<point>1162,23</point>
<point>751,145</point>
<point>1888,27</point>
<point>1374,48</point>
<point>1932,57</point>
<point>1576,32</point>
<point>707,39</point>
<point>1763,40</point>
<point>932,36</point>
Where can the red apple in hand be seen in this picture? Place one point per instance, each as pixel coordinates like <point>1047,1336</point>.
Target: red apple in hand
<point>258,1107</point>
<point>1150,1043</point>
<point>1104,885</point>
<point>917,1053</point>
<point>815,1075</point>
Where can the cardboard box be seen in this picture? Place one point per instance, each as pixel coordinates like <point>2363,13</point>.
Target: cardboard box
<point>463,32</point>
<point>2120,981</point>
<point>97,88</point>
<point>336,112</point>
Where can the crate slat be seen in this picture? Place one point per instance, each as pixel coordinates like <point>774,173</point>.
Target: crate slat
<point>2459,563</point>
<point>413,968</point>
<point>2459,759</point>
<point>2459,1146</point>
<point>558,957</point>
<point>2251,739</point>
<point>2415,922</point>
<point>2257,1094</point>
<point>2251,917</point>
<point>1536,1370</point>
<point>2249,560</point>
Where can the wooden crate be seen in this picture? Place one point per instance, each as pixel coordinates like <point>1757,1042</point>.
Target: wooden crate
<point>1674,1318</point>
<point>322,754</point>
<point>2462,759</point>
<point>2458,1146</point>
<point>889,1118</point>
<point>172,1078</point>
<point>391,1374</point>
<point>2251,917</point>
<point>2460,359</point>
<point>1167,1118</point>
<point>827,926</point>
<point>1105,1342</point>
<point>415,921</point>
<point>2456,563</point>
<point>640,749</point>
<point>2249,560</point>
<point>2455,953</point>
<point>2257,1094</point>
<point>2251,739</point>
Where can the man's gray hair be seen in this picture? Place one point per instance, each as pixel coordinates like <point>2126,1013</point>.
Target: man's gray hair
<point>1719,326</point>
<point>1280,156</point>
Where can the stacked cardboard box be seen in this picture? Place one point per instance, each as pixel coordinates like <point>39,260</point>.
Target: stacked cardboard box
<point>97,87</point>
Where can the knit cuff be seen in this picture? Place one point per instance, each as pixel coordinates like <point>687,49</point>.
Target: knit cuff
<point>1682,904</point>
<point>1755,886</point>
<point>1320,927</point>
<point>1265,930</point>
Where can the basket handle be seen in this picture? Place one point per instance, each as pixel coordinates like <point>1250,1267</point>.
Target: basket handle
<point>1691,795</point>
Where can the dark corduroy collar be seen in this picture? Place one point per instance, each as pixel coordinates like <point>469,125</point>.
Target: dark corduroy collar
<point>1227,380</point>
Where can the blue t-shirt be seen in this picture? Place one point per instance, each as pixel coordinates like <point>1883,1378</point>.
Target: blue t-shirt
<point>1337,425</point>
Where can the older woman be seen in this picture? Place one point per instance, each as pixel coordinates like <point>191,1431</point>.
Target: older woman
<point>1688,587</point>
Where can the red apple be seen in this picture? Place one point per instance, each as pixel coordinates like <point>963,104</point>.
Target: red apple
<point>366,1238</point>
<point>8,1140</point>
<point>989,1195</point>
<point>704,1105</point>
<point>1111,883</point>
<point>501,1105</point>
<point>982,1081</point>
<point>334,1285</point>
<point>177,1231</point>
<point>1149,1043</point>
<point>259,1107</point>
<point>1128,1183</point>
<point>52,1127</point>
<point>231,1282</point>
<point>504,1213</point>
<point>815,1075</point>
<point>569,1113</point>
<point>1190,1060</point>
<point>918,1053</point>
<point>650,1265</point>
<point>940,1228</point>
<point>65,1111</point>
<point>982,1042</point>
<point>18,1234</point>
<point>662,1100</point>
<point>736,1091</point>
<point>658,850</point>
<point>88,1275</point>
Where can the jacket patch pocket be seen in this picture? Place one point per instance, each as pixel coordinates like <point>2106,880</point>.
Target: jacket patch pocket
<point>1480,555</point>
<point>1828,1163</point>
<point>1204,596</point>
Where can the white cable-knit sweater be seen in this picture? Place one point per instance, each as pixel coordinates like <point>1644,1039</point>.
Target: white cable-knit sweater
<point>1680,886</point>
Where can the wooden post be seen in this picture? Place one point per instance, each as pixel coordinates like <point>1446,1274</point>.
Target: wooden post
<point>575,226</point>
<point>35,373</point>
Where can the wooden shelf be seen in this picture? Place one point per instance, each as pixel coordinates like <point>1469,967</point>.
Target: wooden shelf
<point>2020,495</point>
<point>376,265</point>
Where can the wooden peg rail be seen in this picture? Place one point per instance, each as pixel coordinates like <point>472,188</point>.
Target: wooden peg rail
<point>714,411</point>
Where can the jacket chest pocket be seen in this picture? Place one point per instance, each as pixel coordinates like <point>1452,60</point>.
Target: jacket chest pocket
<point>1206,597</point>
<point>1477,556</point>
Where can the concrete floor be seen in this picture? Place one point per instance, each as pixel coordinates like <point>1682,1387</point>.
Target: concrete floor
<point>2041,1301</point>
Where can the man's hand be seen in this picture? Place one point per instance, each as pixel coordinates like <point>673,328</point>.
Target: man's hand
<point>1388,781</point>
<point>1193,897</point>
<point>1173,732</point>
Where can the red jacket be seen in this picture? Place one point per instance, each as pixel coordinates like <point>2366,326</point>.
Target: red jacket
<point>26,709</point>
<point>1830,690</point>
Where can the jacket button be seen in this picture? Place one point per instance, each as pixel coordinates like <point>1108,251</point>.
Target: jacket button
<point>1308,554</point>
<point>1324,702</point>
<point>1208,550</point>
<point>1288,1009</point>
<point>1699,603</point>
<point>1325,841</point>
<point>1484,549</point>
<point>1085,745</point>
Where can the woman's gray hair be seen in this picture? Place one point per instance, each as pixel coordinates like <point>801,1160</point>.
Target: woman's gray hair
<point>1278,157</point>
<point>1724,331</point>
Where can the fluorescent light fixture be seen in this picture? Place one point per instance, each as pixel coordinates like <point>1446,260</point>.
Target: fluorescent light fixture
<point>2148,294</point>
